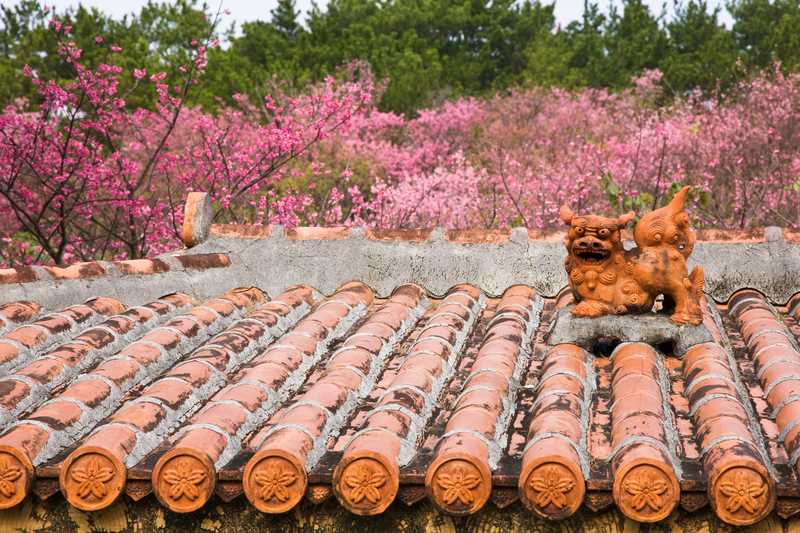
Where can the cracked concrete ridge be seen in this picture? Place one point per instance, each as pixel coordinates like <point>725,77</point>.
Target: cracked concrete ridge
<point>273,260</point>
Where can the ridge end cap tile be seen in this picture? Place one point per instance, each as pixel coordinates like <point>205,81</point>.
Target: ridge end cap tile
<point>358,287</point>
<point>745,292</point>
<point>17,471</point>
<point>198,214</point>
<point>252,294</point>
<point>793,305</point>
<point>284,483</point>
<point>446,495</point>
<point>737,473</point>
<point>184,479</point>
<point>104,477</point>
<point>571,486</point>
<point>374,474</point>
<point>643,499</point>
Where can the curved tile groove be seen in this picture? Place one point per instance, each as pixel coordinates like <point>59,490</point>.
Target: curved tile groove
<point>275,478</point>
<point>366,479</point>
<point>459,479</point>
<point>215,433</point>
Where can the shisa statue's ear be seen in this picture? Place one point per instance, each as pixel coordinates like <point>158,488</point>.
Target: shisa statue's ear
<point>566,214</point>
<point>623,220</point>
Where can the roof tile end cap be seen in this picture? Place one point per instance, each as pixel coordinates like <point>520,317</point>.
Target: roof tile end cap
<point>16,476</point>
<point>742,493</point>
<point>646,490</point>
<point>459,483</point>
<point>274,481</point>
<point>184,479</point>
<point>92,478</point>
<point>197,217</point>
<point>366,482</point>
<point>552,486</point>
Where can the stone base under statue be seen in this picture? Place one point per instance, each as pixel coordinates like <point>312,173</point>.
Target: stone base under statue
<point>651,328</point>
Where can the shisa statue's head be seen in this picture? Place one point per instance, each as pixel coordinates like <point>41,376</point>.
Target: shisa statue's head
<point>668,225</point>
<point>593,240</point>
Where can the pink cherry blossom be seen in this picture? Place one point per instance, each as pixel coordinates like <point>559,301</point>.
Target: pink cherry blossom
<point>83,175</point>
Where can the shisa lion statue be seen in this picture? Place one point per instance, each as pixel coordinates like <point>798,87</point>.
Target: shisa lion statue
<point>607,280</point>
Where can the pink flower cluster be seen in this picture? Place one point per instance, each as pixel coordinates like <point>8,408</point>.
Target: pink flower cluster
<point>514,159</point>
<point>83,176</point>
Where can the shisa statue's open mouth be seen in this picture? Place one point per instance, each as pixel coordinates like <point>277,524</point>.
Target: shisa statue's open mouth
<point>596,256</point>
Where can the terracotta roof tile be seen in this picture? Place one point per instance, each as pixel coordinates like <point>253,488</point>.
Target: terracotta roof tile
<point>141,266</point>
<point>366,479</point>
<point>203,261</point>
<point>14,314</point>
<point>554,462</point>
<point>643,461</point>
<point>97,269</point>
<point>459,479</point>
<point>372,400</point>
<point>61,420</point>
<point>77,270</point>
<point>21,274</point>
<point>25,342</point>
<point>28,386</point>
<point>215,434</point>
<point>275,478</point>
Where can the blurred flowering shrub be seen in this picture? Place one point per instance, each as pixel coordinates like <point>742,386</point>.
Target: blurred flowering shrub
<point>84,175</point>
<point>514,159</point>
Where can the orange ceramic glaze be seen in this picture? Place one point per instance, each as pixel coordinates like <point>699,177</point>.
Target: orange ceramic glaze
<point>605,279</point>
<point>92,478</point>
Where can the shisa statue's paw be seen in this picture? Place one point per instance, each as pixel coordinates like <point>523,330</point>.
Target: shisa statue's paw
<point>588,308</point>
<point>695,319</point>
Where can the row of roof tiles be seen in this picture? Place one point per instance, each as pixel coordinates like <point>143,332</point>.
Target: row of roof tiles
<point>371,399</point>
<point>130,267</point>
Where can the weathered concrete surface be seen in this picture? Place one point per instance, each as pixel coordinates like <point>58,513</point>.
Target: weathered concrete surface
<point>651,328</point>
<point>130,289</point>
<point>276,262</point>
<point>239,516</point>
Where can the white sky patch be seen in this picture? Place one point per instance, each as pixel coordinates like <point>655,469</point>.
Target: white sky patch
<point>247,10</point>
